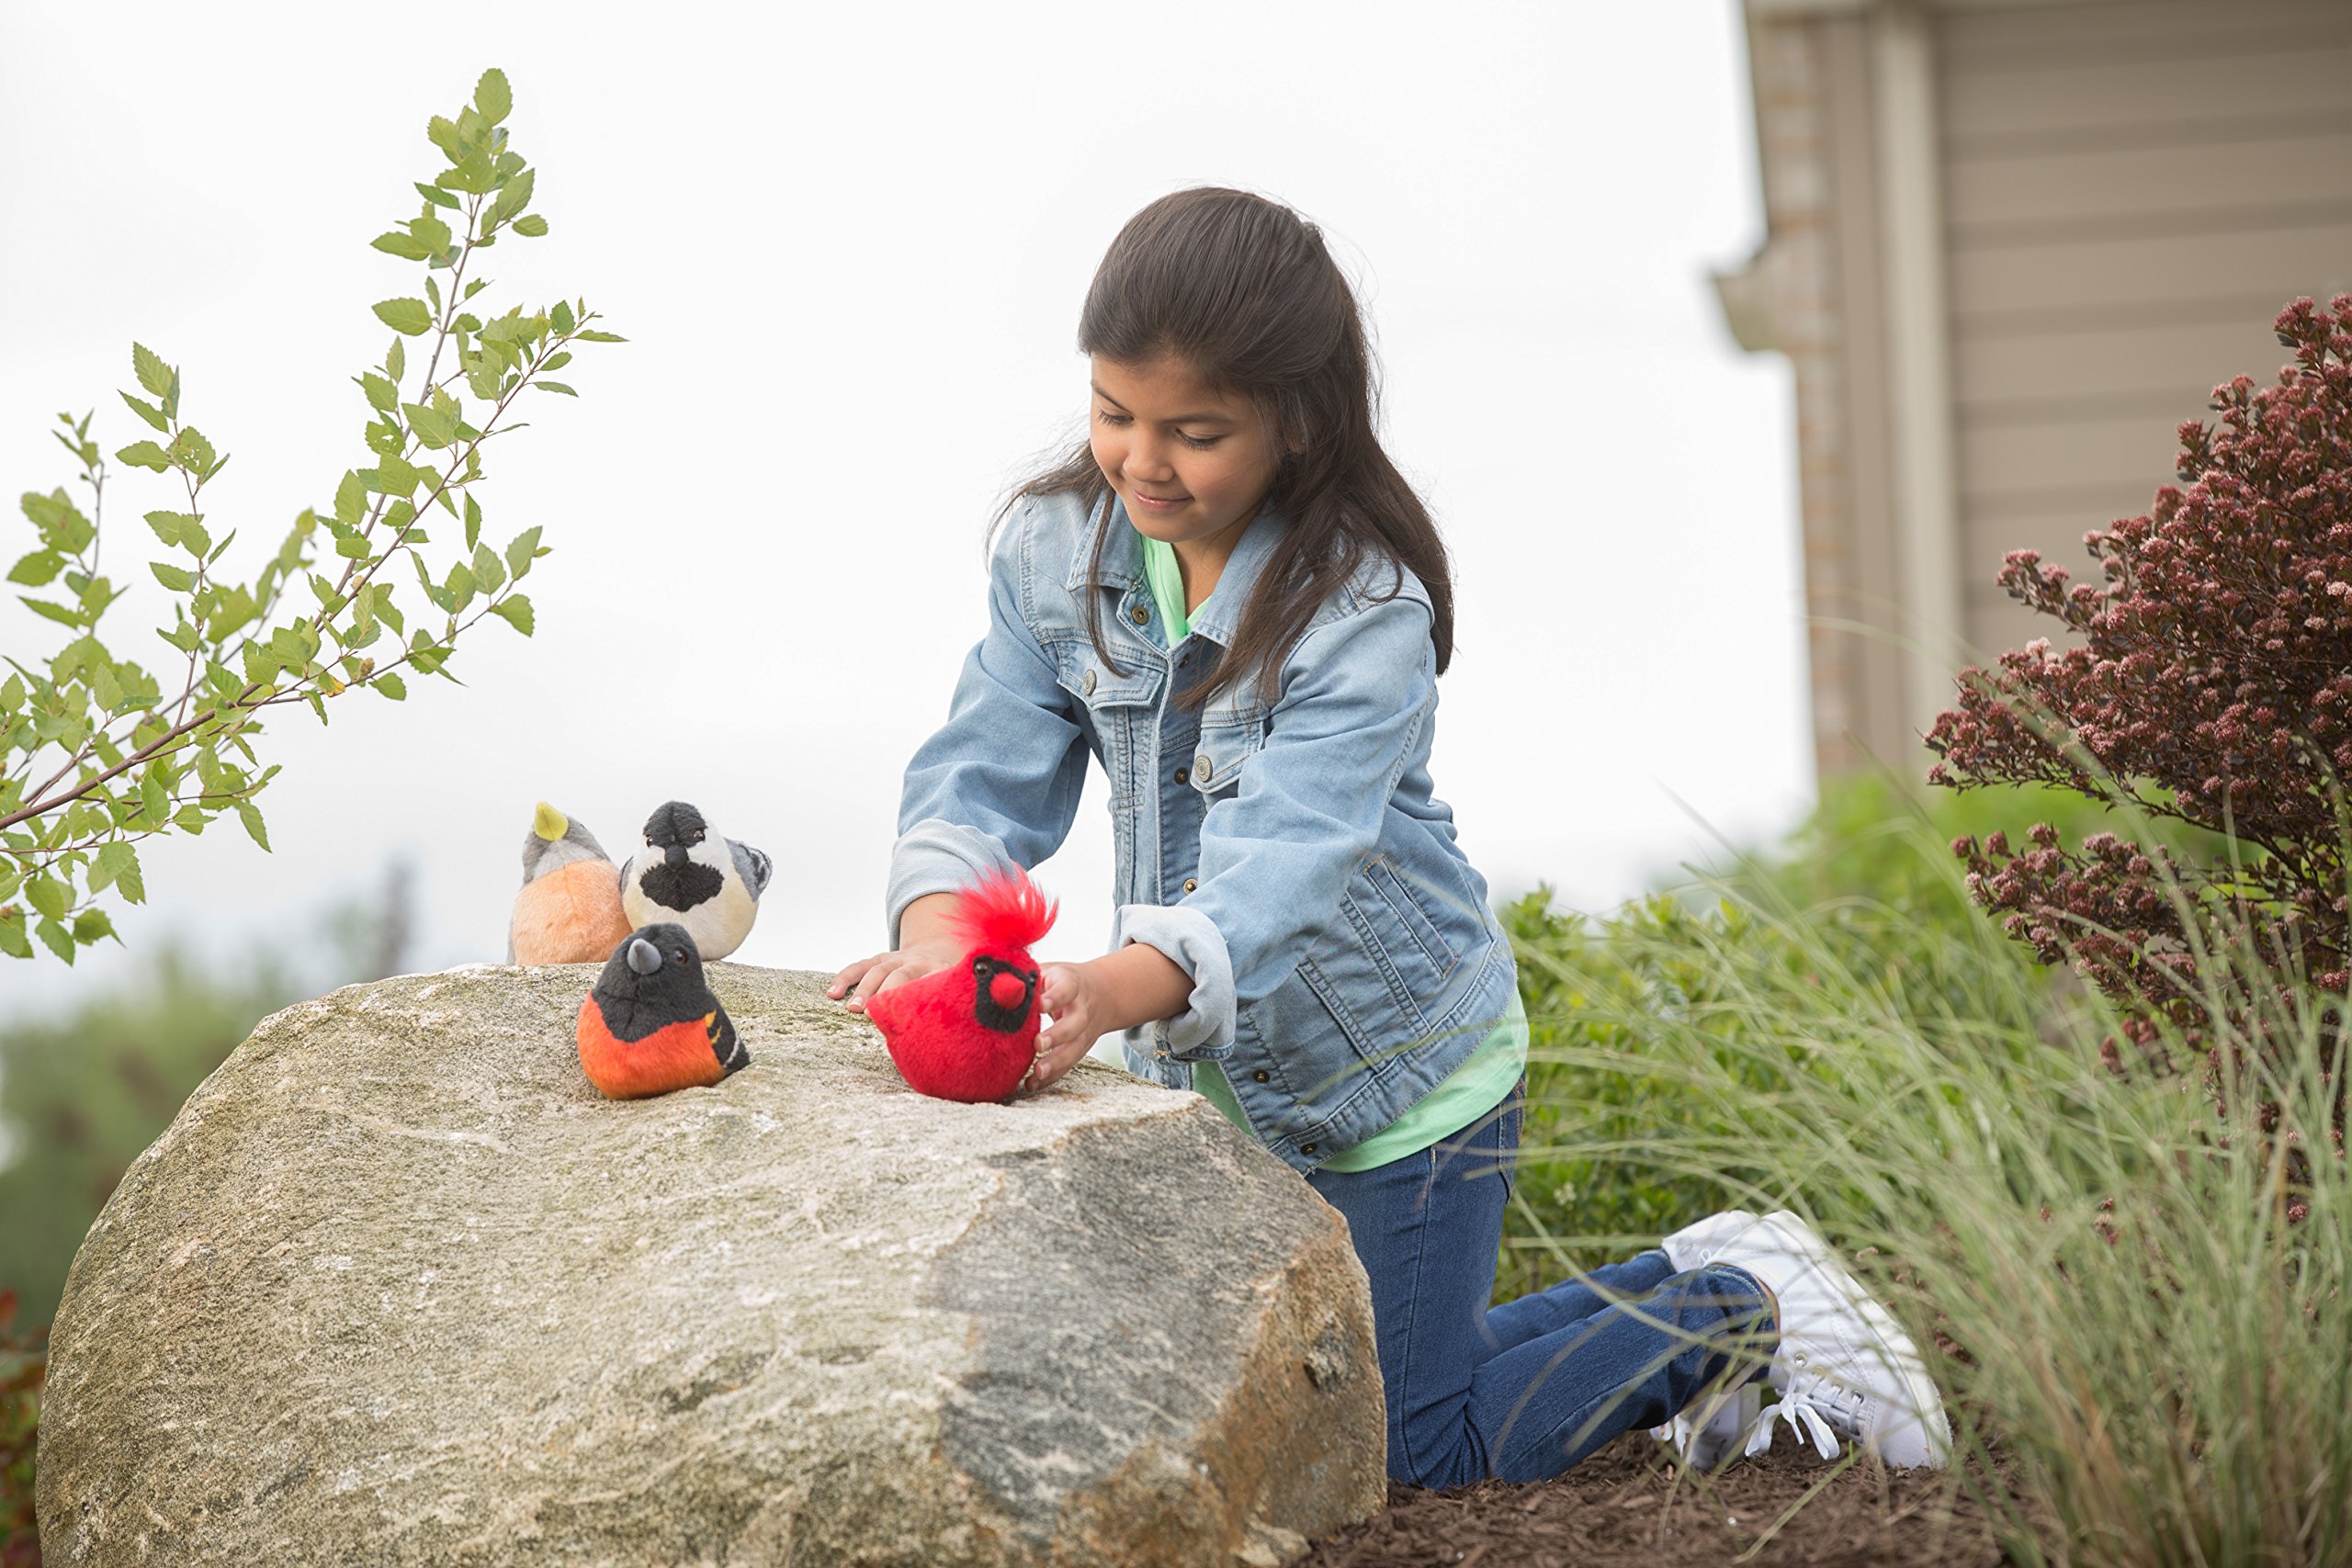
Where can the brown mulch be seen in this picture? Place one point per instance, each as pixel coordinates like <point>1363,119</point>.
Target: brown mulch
<point>1628,1505</point>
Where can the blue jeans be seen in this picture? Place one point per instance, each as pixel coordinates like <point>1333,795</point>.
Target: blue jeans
<point>1525,1390</point>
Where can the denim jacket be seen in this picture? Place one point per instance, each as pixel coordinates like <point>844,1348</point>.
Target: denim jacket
<point>1291,860</point>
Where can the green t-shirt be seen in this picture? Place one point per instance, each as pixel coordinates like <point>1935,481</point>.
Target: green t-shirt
<point>1467,1093</point>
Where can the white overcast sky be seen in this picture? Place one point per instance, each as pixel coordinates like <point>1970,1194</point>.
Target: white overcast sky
<point>849,244</point>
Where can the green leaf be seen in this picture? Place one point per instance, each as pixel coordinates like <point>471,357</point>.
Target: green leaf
<point>531,226</point>
<point>194,537</point>
<point>431,233</point>
<point>433,427</point>
<point>152,373</point>
<point>57,938</point>
<point>350,501</point>
<point>516,611</point>
<point>442,133</point>
<point>42,566</point>
<point>168,525</point>
<point>251,816</point>
<point>473,521</point>
<point>555,386</point>
<point>391,686</point>
<point>382,395</point>
<point>147,411</point>
<point>121,864</point>
<point>561,317</point>
<point>172,577</point>
<point>406,316</point>
<point>13,940</point>
<point>494,100</point>
<point>396,360</point>
<point>438,198</point>
<point>48,894</point>
<point>49,612</point>
<point>391,241</point>
<point>512,197</point>
<point>92,924</point>
<point>396,476</point>
<point>588,335</point>
<point>144,455</point>
<point>488,572</point>
<point>523,550</point>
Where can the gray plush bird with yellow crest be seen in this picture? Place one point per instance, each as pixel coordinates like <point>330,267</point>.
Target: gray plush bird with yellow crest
<point>686,875</point>
<point>570,909</point>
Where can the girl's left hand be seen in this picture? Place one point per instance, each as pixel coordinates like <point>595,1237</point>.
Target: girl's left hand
<point>1068,997</point>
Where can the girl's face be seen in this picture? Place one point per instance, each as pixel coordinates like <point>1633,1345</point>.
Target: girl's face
<point>1190,463</point>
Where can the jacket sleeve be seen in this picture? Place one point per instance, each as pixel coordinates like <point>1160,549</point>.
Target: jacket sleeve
<point>1277,856</point>
<point>1000,781</point>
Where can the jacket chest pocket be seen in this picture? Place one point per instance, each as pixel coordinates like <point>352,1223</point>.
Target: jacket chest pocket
<point>1230,735</point>
<point>1111,704</point>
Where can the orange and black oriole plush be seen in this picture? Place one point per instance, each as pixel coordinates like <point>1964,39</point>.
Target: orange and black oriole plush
<point>651,1024</point>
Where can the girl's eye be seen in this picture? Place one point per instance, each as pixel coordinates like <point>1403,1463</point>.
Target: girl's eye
<point>1198,443</point>
<point>1107,417</point>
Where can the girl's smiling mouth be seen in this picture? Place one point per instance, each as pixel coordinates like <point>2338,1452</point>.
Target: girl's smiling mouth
<point>1157,502</point>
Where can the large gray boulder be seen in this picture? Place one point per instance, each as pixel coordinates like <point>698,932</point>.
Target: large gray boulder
<point>398,1286</point>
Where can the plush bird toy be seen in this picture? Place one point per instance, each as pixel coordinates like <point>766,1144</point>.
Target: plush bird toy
<point>651,1024</point>
<point>687,874</point>
<point>570,909</point>
<point>970,1032</point>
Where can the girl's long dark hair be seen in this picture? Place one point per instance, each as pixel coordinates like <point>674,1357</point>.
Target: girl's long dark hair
<point>1243,290</point>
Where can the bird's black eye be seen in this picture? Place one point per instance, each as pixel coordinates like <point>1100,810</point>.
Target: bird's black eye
<point>680,956</point>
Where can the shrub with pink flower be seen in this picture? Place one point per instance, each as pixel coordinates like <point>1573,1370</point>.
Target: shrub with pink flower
<point>2211,684</point>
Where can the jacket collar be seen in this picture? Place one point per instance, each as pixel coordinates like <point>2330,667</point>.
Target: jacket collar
<point>1123,564</point>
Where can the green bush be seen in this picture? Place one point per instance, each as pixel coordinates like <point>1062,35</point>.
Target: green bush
<point>2136,1307</point>
<point>81,1095</point>
<point>1871,883</point>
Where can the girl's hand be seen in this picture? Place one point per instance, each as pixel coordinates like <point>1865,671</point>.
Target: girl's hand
<point>1070,995</point>
<point>885,970</point>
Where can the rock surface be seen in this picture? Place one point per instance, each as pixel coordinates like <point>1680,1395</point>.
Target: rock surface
<point>398,1286</point>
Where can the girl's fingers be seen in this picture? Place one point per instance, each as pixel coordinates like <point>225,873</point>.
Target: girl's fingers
<point>877,974</point>
<point>850,973</point>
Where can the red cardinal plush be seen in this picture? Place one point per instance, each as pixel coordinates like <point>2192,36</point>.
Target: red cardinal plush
<point>970,1032</point>
<point>651,1024</point>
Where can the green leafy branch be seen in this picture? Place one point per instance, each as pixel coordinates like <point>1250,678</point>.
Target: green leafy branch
<point>97,753</point>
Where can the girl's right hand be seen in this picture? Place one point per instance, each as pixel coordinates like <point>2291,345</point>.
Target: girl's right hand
<point>884,970</point>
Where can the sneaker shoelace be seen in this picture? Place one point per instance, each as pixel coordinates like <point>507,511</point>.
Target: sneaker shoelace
<point>1821,1409</point>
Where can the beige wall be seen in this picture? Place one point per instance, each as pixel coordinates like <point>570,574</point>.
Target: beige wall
<point>2127,192</point>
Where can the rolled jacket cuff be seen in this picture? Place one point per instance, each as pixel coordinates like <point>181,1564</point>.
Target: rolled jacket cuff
<point>937,856</point>
<point>1203,1032</point>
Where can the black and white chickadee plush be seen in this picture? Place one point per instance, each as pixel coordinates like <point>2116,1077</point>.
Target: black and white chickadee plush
<point>686,875</point>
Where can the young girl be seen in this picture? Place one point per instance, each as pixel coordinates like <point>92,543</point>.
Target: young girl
<point>1231,600</point>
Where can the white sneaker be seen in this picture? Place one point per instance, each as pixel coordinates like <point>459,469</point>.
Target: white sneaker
<point>1716,1427</point>
<point>1845,1368</point>
<point>1694,1244</point>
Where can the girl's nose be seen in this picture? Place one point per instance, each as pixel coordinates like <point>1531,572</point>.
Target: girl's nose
<point>1148,460</point>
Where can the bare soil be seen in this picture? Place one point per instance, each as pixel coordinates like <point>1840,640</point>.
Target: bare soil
<point>1630,1505</point>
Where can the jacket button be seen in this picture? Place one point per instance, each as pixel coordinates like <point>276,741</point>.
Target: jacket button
<point>1183,659</point>
<point>1259,1077</point>
<point>1140,615</point>
<point>1191,884</point>
<point>1307,1148</point>
<point>1181,775</point>
<point>1203,766</point>
<point>1085,686</point>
